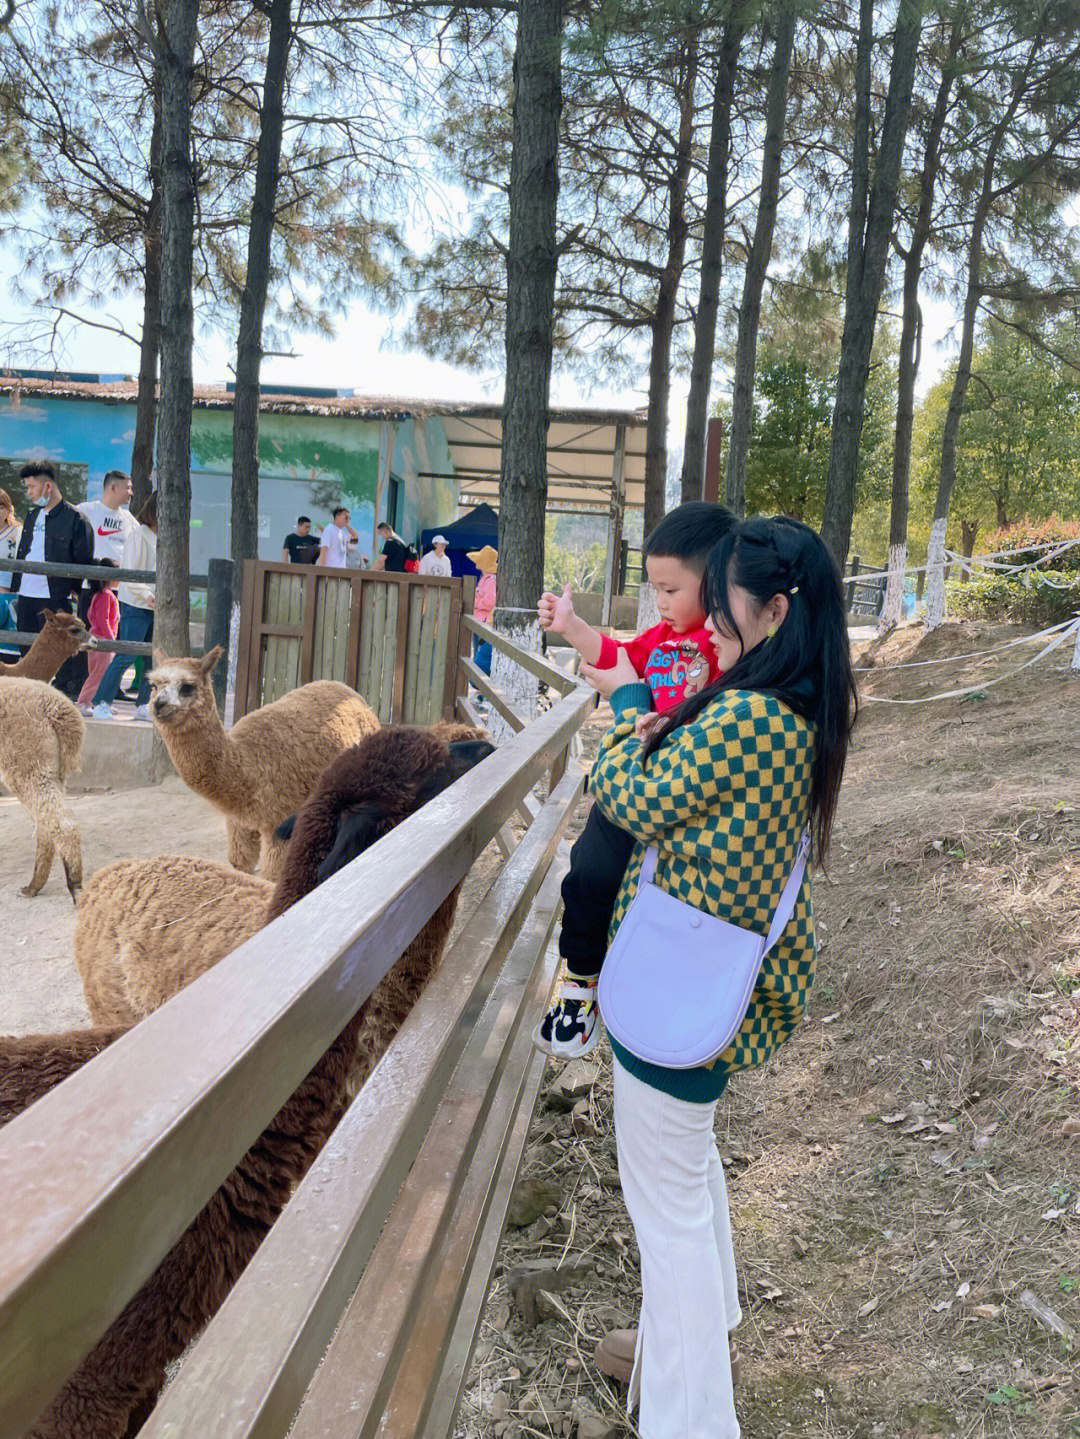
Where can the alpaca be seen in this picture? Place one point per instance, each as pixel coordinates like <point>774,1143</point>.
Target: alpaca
<point>361,797</point>
<point>265,767</point>
<point>63,635</point>
<point>147,927</point>
<point>41,735</point>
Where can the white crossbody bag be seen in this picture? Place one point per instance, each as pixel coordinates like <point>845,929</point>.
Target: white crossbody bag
<point>676,983</point>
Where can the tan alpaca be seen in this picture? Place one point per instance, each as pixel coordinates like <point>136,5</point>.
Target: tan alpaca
<point>62,636</point>
<point>145,928</point>
<point>41,735</point>
<point>263,769</point>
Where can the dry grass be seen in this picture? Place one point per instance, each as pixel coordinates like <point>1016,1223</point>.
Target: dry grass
<point>900,1175</point>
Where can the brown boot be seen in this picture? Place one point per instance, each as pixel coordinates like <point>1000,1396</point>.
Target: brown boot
<point>614,1355</point>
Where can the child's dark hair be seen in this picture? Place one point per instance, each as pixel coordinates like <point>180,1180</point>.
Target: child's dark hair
<point>689,532</point>
<point>806,664</point>
<point>96,586</point>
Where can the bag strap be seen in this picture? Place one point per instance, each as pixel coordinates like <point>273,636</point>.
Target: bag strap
<point>788,899</point>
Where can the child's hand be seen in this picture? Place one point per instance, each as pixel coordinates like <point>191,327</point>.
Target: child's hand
<point>556,611</point>
<point>606,682</point>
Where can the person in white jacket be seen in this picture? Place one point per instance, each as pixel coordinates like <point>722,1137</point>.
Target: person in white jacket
<point>136,614</point>
<point>437,561</point>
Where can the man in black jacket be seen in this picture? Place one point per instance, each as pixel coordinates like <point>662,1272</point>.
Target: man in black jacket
<point>56,533</point>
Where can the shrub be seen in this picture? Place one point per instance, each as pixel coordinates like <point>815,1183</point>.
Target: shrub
<point>1052,530</point>
<point>1031,598</point>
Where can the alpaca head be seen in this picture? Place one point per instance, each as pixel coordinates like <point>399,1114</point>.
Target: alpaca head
<point>68,633</point>
<point>181,695</point>
<point>364,793</point>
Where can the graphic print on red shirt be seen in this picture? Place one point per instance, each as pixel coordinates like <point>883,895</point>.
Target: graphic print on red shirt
<point>673,665</point>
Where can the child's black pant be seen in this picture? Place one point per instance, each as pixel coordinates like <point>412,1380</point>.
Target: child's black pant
<point>597,864</point>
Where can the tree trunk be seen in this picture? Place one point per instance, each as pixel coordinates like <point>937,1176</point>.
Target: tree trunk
<point>757,262</point>
<point>968,531</point>
<point>712,254</point>
<point>176,53</point>
<point>530,298</point>
<point>663,326</point>
<point>911,346</point>
<point>142,451</point>
<point>531,263</point>
<point>867,256</point>
<point>245,469</point>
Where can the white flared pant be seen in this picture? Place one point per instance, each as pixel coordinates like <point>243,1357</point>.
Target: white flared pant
<point>673,1184</point>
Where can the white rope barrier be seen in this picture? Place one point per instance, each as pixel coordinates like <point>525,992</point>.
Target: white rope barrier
<point>970,655</point>
<point>1071,628</point>
<point>1056,547</point>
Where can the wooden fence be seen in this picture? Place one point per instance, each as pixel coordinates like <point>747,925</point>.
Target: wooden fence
<point>395,638</point>
<point>359,1312</point>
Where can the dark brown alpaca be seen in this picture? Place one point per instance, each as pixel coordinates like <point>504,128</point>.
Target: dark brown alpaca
<point>361,796</point>
<point>62,636</point>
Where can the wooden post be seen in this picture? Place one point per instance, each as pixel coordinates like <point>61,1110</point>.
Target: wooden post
<point>850,597</point>
<point>615,524</point>
<point>386,458</point>
<point>218,617</point>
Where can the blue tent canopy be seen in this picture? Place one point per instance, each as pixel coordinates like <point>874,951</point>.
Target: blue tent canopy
<point>473,531</point>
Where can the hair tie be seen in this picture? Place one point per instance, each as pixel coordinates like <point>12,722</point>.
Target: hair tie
<point>794,590</point>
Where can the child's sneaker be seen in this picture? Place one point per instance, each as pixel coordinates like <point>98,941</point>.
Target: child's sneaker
<point>85,709</point>
<point>142,712</point>
<point>103,712</point>
<point>571,1027</point>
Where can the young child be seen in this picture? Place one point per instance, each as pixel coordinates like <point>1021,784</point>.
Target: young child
<point>676,659</point>
<point>103,619</point>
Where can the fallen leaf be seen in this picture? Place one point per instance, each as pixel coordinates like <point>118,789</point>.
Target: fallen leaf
<point>944,1126</point>
<point>986,1311</point>
<point>869,1307</point>
<point>963,1291</point>
<point>1052,1214</point>
<point>1071,1128</point>
<point>894,1118</point>
<point>943,1307</point>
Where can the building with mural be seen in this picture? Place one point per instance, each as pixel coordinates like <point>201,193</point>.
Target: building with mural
<point>317,449</point>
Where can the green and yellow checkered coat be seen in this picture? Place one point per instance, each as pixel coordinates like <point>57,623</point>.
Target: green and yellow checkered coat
<point>724,800</point>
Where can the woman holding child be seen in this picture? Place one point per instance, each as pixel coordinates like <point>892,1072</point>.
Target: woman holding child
<point>721,786</point>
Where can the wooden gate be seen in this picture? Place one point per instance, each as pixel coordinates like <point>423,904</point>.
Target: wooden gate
<point>394,638</point>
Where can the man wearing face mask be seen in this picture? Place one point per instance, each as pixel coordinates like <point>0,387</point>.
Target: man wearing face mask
<point>56,533</point>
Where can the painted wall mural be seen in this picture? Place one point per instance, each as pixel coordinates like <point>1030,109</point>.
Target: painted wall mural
<point>308,464</point>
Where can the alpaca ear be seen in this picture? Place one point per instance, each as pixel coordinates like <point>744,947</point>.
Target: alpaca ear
<point>210,659</point>
<point>48,614</point>
<point>160,657</point>
<point>284,831</point>
<point>358,829</point>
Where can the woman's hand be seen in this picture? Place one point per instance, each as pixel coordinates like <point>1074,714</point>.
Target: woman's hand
<point>606,682</point>
<point>644,725</point>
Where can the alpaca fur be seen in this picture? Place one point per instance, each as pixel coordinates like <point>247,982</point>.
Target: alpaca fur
<point>360,798</point>
<point>145,928</point>
<point>41,735</point>
<point>62,636</point>
<point>265,767</point>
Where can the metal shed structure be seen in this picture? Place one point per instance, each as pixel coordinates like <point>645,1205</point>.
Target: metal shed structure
<point>595,465</point>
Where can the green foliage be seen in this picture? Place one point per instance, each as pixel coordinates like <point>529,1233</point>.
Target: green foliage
<point>575,563</point>
<point>1019,443</point>
<point>1037,597</point>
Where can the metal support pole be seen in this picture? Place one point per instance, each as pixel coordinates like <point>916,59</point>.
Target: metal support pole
<point>615,524</point>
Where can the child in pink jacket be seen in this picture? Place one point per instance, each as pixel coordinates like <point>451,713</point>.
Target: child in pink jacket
<point>104,620</point>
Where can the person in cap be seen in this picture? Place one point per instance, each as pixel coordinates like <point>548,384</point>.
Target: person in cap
<point>437,561</point>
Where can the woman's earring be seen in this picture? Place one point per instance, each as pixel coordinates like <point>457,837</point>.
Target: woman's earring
<point>771,632</point>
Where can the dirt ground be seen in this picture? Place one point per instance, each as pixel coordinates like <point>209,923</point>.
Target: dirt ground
<point>904,1176</point>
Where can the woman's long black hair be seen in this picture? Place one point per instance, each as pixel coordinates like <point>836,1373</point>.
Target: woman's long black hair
<point>806,664</point>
